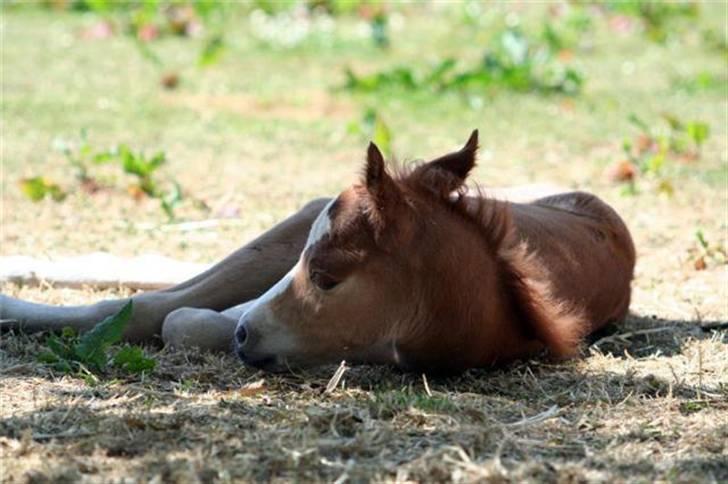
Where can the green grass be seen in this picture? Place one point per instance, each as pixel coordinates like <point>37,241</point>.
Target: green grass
<point>265,129</point>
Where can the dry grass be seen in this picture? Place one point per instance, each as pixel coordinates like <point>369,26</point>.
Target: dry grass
<point>646,402</point>
<point>613,415</point>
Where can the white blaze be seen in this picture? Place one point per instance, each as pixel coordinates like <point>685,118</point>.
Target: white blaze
<point>321,226</point>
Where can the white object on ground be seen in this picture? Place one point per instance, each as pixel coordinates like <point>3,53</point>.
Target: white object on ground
<point>523,193</point>
<point>99,269</point>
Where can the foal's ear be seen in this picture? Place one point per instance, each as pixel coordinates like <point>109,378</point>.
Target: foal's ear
<point>378,182</point>
<point>447,174</point>
<point>382,189</point>
<point>460,162</point>
<point>375,170</point>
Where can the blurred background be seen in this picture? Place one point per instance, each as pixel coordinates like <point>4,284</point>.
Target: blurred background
<point>127,124</point>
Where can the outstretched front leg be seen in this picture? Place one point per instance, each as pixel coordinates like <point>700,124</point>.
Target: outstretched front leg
<point>240,277</point>
<point>205,329</point>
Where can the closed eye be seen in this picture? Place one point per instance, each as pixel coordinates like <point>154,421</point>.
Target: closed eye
<point>322,280</point>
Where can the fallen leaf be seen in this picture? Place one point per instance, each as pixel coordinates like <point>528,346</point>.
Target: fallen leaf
<point>170,80</point>
<point>98,31</point>
<point>252,389</point>
<point>621,171</point>
<point>645,144</point>
<point>147,32</point>
<point>135,192</point>
<point>700,264</point>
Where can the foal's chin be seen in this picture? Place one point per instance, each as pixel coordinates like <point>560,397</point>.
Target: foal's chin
<point>270,364</point>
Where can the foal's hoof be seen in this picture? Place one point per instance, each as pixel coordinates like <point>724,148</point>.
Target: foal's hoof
<point>198,328</point>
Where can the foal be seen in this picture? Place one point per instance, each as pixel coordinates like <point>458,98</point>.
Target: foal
<point>403,269</point>
<point>408,270</point>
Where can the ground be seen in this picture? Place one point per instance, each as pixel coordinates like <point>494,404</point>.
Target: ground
<point>265,129</point>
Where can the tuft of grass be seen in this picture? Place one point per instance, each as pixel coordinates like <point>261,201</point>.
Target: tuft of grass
<point>705,254</point>
<point>82,156</point>
<point>388,403</point>
<point>656,146</point>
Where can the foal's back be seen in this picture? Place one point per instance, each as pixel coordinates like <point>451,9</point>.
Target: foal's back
<point>586,252</point>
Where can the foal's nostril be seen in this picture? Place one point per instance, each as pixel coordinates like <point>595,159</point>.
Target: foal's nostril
<point>241,334</point>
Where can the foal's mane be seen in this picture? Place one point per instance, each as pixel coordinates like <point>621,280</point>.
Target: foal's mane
<point>523,276</point>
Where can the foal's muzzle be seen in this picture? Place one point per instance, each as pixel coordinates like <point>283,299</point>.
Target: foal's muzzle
<point>244,341</point>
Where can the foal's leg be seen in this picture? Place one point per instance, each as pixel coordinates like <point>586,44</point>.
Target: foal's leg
<point>242,276</point>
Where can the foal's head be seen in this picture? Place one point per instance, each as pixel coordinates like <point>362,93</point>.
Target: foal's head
<point>394,271</point>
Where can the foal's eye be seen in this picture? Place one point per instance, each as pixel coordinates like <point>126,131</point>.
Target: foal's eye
<point>323,281</point>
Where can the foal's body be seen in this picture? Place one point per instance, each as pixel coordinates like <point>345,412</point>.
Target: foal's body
<point>552,271</point>
<point>587,250</point>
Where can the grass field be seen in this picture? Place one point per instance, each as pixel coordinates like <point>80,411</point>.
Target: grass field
<point>256,134</point>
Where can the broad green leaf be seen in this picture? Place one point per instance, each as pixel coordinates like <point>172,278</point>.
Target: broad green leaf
<point>91,347</point>
<point>157,160</point>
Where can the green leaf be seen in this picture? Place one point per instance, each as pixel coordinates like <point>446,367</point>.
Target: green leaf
<point>655,163</point>
<point>171,199</point>
<point>440,71</point>
<point>103,157</point>
<point>212,51</point>
<point>157,160</point>
<point>133,360</point>
<point>91,347</point>
<point>48,357</point>
<point>664,186</point>
<point>63,366</point>
<point>698,131</point>
<point>382,136</point>
<point>137,164</point>
<point>701,239</point>
<point>58,347</point>
<point>673,121</point>
<point>37,188</point>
